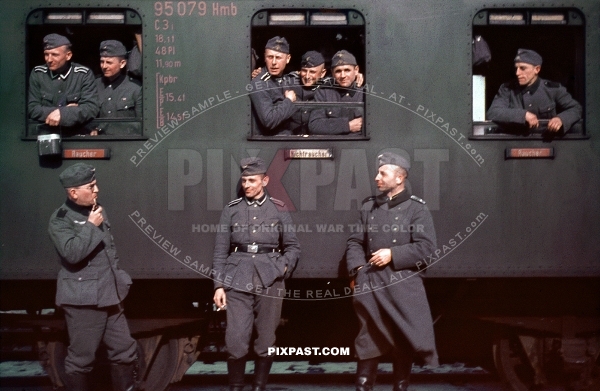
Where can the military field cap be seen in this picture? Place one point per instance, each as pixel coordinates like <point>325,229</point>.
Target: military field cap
<point>76,175</point>
<point>392,158</point>
<point>52,41</point>
<point>253,166</point>
<point>279,44</point>
<point>112,48</point>
<point>343,57</point>
<point>311,59</point>
<point>528,56</point>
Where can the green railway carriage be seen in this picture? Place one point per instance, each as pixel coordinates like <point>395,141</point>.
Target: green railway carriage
<point>517,269</point>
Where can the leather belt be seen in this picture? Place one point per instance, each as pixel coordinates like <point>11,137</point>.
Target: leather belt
<point>252,248</point>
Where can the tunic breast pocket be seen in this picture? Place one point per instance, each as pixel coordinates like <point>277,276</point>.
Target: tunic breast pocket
<point>125,104</point>
<point>270,229</point>
<point>73,98</point>
<point>333,112</point>
<point>547,112</point>
<point>47,98</point>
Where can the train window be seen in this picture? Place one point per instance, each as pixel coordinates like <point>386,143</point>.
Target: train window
<point>120,111</point>
<point>558,36</point>
<point>327,109</point>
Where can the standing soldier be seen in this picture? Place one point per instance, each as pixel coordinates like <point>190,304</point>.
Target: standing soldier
<point>90,287</point>
<point>397,232</point>
<point>252,258</point>
<point>61,93</point>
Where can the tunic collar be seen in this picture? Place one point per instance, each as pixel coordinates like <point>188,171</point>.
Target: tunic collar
<point>84,210</point>
<point>258,201</point>
<point>532,88</point>
<point>63,72</point>
<point>396,200</point>
<point>352,90</point>
<point>115,83</point>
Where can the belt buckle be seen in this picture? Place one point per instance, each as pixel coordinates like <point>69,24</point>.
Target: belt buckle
<point>253,248</point>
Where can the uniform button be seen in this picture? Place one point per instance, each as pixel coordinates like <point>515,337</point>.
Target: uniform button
<point>396,218</point>
<point>254,217</point>
<point>530,105</point>
<point>109,111</point>
<point>254,256</point>
<point>254,231</point>
<point>370,239</point>
<point>255,205</point>
<point>109,99</point>
<point>372,217</point>
<point>395,229</point>
<point>394,241</point>
<point>125,106</point>
<point>59,91</point>
<point>79,279</point>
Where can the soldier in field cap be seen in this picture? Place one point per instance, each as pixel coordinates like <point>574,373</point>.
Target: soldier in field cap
<point>90,286</point>
<point>254,253</point>
<point>272,100</point>
<point>62,94</point>
<point>394,318</point>
<point>305,84</point>
<point>520,104</point>
<point>339,120</point>
<point>120,96</point>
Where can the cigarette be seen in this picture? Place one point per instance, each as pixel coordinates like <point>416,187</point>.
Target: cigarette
<point>95,205</point>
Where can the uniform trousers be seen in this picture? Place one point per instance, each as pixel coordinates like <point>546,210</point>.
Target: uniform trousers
<point>88,326</point>
<point>256,309</point>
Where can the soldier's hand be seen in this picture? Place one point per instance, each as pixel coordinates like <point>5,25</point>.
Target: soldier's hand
<point>355,125</point>
<point>531,119</point>
<point>360,78</point>
<point>381,257</point>
<point>291,95</point>
<point>256,72</point>
<point>220,298</point>
<point>53,119</point>
<point>555,124</point>
<point>95,217</point>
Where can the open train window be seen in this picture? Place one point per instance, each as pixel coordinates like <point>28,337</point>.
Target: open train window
<point>558,36</point>
<point>85,29</point>
<point>323,31</point>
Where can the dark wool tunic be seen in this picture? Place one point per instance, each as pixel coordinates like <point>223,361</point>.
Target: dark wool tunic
<point>271,108</point>
<point>543,98</point>
<point>120,98</point>
<point>335,119</point>
<point>90,274</point>
<point>49,91</point>
<point>259,222</point>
